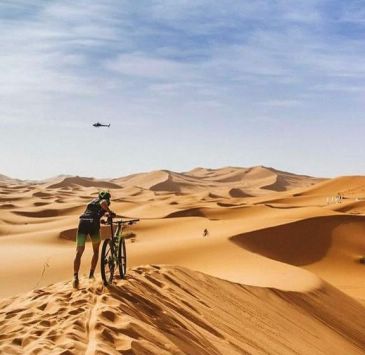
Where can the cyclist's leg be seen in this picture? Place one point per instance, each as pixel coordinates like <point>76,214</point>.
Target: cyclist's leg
<point>80,239</point>
<point>95,238</point>
<point>82,231</point>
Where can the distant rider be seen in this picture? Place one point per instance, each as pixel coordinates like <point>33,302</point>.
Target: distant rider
<point>90,225</point>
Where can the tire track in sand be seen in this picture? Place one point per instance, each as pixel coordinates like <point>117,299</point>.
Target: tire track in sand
<point>92,321</point>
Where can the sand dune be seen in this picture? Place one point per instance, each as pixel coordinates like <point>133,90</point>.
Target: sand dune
<point>6,180</point>
<point>235,192</point>
<point>165,310</point>
<point>271,236</point>
<point>247,180</point>
<point>191,212</point>
<point>330,246</point>
<point>82,181</point>
<point>143,180</point>
<point>351,186</point>
<point>48,212</point>
<point>42,194</point>
<point>352,207</point>
<point>305,242</point>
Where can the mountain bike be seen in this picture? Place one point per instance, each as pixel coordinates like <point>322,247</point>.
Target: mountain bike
<point>113,251</point>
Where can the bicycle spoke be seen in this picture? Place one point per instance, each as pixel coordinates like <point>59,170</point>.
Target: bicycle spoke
<point>107,262</point>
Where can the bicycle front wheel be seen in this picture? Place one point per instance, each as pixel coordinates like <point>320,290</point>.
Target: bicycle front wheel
<point>107,262</point>
<point>122,258</point>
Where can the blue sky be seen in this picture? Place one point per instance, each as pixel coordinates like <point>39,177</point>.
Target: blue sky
<point>183,84</point>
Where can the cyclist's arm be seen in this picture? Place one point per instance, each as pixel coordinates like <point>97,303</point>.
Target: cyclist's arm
<point>105,207</point>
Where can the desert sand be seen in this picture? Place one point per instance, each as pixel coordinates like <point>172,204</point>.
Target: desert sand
<point>278,272</point>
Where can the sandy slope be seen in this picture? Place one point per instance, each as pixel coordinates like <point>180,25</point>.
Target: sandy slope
<point>328,246</point>
<point>244,181</point>
<point>172,310</point>
<point>269,229</point>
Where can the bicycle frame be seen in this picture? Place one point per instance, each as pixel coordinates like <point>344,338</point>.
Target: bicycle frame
<point>113,252</point>
<point>120,225</point>
<point>110,221</point>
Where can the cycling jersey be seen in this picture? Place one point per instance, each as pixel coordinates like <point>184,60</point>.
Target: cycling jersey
<point>90,223</point>
<point>93,211</point>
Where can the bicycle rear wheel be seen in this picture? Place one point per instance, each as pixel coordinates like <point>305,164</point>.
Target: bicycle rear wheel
<point>107,262</point>
<point>122,258</point>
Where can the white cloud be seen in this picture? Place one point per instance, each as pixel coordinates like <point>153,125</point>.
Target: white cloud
<point>139,65</point>
<point>65,46</point>
<point>231,53</point>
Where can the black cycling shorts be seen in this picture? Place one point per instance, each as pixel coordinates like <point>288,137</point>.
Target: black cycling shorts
<point>87,227</point>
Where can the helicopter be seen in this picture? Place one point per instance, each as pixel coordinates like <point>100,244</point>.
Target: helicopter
<point>98,124</point>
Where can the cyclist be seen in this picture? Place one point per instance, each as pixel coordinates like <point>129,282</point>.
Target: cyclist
<point>90,225</point>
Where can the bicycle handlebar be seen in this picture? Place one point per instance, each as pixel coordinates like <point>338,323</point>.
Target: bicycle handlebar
<point>110,220</point>
<point>131,221</point>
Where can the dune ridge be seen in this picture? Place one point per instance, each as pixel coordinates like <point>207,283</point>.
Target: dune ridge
<point>9,180</point>
<point>250,181</point>
<point>162,309</point>
<point>76,181</point>
<point>352,186</point>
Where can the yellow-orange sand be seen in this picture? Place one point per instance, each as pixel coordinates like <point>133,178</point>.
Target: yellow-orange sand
<point>172,310</point>
<point>272,237</point>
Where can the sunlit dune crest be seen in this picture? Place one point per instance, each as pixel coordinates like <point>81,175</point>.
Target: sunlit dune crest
<point>84,182</point>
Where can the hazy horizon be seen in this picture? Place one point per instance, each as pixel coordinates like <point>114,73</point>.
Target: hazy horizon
<point>150,171</point>
<point>183,84</point>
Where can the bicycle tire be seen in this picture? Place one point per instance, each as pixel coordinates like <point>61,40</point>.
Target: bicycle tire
<point>107,262</point>
<point>122,258</point>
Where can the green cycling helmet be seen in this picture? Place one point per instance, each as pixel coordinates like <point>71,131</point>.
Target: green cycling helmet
<point>105,195</point>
